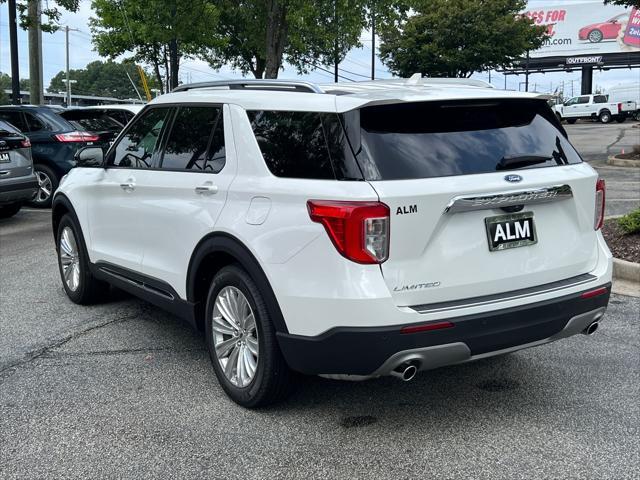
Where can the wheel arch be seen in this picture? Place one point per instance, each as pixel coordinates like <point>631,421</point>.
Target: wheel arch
<point>61,206</point>
<point>214,252</point>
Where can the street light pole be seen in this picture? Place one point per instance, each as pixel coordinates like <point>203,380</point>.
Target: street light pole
<point>13,41</point>
<point>66,34</point>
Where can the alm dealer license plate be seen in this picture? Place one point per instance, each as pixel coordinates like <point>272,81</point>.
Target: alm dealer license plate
<point>4,157</point>
<point>511,231</point>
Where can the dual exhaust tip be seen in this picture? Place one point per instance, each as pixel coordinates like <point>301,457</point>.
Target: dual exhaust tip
<point>407,371</point>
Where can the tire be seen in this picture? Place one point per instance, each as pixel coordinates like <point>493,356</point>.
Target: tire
<point>10,210</point>
<point>48,183</point>
<point>73,263</point>
<point>595,36</point>
<point>571,121</point>
<point>636,116</point>
<point>559,117</point>
<point>271,380</point>
<point>605,116</point>
<point>620,119</point>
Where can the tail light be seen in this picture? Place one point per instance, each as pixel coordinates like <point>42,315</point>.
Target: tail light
<point>598,216</point>
<point>619,108</point>
<point>358,230</point>
<point>26,143</point>
<point>76,137</point>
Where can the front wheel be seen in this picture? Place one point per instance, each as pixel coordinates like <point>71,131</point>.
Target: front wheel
<point>242,341</point>
<point>595,36</point>
<point>605,116</point>
<point>73,262</point>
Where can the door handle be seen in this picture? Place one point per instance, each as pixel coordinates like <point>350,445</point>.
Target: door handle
<point>206,189</point>
<point>129,185</point>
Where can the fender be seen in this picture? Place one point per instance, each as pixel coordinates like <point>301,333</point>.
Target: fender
<point>224,243</point>
<point>60,199</point>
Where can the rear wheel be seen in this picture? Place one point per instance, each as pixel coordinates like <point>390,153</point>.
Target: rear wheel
<point>571,121</point>
<point>605,116</point>
<point>47,185</point>
<point>595,36</point>
<point>10,210</point>
<point>242,341</point>
<point>73,262</point>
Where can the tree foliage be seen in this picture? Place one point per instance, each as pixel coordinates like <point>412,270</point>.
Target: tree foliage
<point>50,13</point>
<point>5,84</point>
<point>157,32</point>
<point>455,38</point>
<point>257,36</point>
<point>626,3</point>
<point>106,79</point>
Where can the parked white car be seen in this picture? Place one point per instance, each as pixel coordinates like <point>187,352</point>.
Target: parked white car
<point>594,107</point>
<point>349,230</point>
<point>626,92</point>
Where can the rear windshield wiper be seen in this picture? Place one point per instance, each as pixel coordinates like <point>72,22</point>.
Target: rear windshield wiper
<point>519,161</point>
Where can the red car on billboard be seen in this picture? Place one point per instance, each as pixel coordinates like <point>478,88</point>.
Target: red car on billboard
<point>597,32</point>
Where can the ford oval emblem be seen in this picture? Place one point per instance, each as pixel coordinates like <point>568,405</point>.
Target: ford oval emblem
<point>513,178</point>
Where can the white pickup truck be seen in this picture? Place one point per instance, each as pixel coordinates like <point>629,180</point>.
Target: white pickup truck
<point>594,107</point>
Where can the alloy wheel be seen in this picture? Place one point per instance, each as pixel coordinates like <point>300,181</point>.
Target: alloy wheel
<point>45,187</point>
<point>69,259</point>
<point>595,36</point>
<point>235,336</point>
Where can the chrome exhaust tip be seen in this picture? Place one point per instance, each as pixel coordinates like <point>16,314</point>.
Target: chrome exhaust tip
<point>405,372</point>
<point>591,329</point>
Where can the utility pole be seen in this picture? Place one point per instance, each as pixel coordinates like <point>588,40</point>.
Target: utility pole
<point>373,40</point>
<point>526,75</point>
<point>335,42</point>
<point>489,76</point>
<point>66,36</point>
<point>505,81</point>
<point>36,96</point>
<point>13,41</point>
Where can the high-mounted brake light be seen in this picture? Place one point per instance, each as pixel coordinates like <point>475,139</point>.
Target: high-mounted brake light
<point>76,137</point>
<point>598,216</point>
<point>358,230</point>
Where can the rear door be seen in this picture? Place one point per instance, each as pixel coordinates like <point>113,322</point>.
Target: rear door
<point>15,153</point>
<point>485,197</point>
<point>186,193</point>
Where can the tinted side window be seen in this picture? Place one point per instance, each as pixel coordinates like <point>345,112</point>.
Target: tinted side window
<point>600,99</point>
<point>35,124</point>
<point>583,99</point>
<point>293,144</point>
<point>192,133</point>
<point>14,118</point>
<point>135,149</point>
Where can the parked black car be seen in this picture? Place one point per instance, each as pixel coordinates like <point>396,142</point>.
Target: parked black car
<point>17,180</point>
<point>54,142</point>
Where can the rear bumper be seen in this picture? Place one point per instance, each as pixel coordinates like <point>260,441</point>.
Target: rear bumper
<point>366,351</point>
<point>18,189</point>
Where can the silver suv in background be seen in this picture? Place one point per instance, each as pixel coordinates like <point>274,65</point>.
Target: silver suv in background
<point>17,181</point>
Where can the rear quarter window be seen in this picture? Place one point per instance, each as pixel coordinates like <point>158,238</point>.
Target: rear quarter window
<point>307,145</point>
<point>438,139</point>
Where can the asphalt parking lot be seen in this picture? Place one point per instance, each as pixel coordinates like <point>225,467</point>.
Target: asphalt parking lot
<point>124,390</point>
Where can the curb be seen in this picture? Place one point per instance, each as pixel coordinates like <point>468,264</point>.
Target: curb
<point>622,162</point>
<point>625,270</point>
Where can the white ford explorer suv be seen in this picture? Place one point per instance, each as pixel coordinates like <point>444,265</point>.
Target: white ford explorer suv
<point>353,231</point>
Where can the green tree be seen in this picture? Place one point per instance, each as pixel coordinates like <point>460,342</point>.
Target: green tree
<point>257,36</point>
<point>454,38</point>
<point>105,79</point>
<point>626,3</point>
<point>5,84</point>
<point>157,32</point>
<point>50,14</point>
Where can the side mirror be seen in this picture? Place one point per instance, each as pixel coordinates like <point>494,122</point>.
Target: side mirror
<point>89,157</point>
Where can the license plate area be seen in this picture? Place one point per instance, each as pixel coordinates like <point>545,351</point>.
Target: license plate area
<point>510,231</point>
<point>4,157</point>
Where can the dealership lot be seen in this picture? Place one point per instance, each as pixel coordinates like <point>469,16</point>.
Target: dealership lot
<point>123,389</point>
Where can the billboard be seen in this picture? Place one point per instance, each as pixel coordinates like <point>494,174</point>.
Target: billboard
<point>591,29</point>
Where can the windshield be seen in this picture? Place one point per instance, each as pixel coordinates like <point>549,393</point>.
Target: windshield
<point>437,139</point>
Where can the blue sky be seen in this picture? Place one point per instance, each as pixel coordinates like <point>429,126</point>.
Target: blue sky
<point>355,66</point>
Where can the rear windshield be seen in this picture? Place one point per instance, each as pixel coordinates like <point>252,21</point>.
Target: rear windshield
<point>92,121</point>
<point>438,139</point>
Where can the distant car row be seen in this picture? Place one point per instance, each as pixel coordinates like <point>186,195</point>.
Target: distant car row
<point>38,144</point>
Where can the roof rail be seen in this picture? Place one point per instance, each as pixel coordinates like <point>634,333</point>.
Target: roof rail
<point>268,84</point>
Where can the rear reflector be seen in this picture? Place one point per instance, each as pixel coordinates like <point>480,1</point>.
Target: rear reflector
<point>426,327</point>
<point>598,214</point>
<point>76,137</point>
<point>595,293</point>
